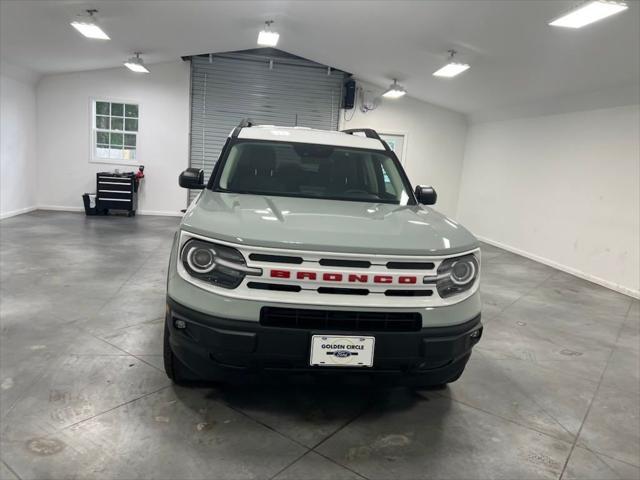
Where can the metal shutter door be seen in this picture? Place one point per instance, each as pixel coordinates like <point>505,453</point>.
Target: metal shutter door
<point>226,88</point>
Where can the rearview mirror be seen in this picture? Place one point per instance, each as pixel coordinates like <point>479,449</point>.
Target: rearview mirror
<point>426,195</point>
<point>192,178</point>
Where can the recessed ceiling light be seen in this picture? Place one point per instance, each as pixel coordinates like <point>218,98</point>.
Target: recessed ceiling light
<point>87,25</point>
<point>395,90</point>
<point>267,37</point>
<point>589,12</point>
<point>135,64</point>
<point>452,68</point>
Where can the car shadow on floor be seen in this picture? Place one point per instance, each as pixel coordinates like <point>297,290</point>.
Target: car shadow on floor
<point>309,413</point>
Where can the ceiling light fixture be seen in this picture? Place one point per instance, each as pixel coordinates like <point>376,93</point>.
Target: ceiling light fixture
<point>87,25</point>
<point>267,37</point>
<point>395,90</point>
<point>452,68</point>
<point>135,64</point>
<point>588,12</point>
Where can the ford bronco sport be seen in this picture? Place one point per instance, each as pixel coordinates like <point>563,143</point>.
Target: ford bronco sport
<point>308,252</point>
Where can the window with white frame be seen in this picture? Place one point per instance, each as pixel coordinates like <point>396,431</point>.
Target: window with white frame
<point>115,131</point>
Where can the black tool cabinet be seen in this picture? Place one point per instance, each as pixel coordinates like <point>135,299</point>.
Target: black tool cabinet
<point>116,191</point>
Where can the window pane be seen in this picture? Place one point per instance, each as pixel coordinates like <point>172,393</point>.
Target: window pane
<point>102,138</point>
<point>117,123</point>
<point>131,125</point>
<point>116,139</point>
<point>102,122</point>
<point>131,111</point>
<point>102,108</point>
<point>102,151</point>
<point>116,153</point>
<point>129,140</point>
<point>117,109</point>
<point>129,153</point>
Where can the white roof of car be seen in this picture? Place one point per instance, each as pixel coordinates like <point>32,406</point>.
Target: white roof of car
<point>309,135</point>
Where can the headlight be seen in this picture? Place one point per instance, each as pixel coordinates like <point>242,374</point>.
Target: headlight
<point>456,275</point>
<point>200,258</point>
<point>217,264</point>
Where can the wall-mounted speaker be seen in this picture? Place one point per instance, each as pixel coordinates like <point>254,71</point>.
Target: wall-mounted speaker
<point>349,94</point>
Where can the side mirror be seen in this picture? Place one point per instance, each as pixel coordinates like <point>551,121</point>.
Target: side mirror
<point>192,178</point>
<point>426,195</point>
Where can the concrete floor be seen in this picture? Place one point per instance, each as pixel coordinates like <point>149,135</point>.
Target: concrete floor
<point>551,391</point>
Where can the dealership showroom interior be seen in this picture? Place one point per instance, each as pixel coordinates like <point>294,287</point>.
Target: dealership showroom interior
<point>320,239</point>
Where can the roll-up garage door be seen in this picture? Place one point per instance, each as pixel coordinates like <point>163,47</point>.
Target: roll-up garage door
<point>269,89</point>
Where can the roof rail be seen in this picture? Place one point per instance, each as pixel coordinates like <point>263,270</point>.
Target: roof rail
<point>245,122</point>
<point>369,133</point>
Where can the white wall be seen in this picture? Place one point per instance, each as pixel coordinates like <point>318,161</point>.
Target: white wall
<point>435,141</point>
<point>64,134</point>
<point>563,189</point>
<point>17,141</point>
<point>435,136</point>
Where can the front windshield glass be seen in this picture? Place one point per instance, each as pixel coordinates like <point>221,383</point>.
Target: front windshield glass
<point>312,171</point>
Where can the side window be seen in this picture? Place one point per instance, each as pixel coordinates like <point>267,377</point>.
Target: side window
<point>114,131</point>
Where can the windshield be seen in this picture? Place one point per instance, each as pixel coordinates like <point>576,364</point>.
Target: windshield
<point>313,171</point>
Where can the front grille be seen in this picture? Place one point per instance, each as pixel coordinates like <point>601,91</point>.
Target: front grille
<point>340,320</point>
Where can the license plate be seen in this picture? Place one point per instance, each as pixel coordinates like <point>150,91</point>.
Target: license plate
<point>342,351</point>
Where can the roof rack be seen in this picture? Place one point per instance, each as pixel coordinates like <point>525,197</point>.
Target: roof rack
<point>369,133</point>
<point>245,122</point>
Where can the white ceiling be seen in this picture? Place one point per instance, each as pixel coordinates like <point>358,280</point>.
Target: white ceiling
<point>516,59</point>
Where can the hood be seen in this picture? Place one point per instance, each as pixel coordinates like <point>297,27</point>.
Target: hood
<point>325,225</point>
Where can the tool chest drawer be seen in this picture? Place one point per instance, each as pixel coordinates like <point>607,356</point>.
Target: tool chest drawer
<point>105,183</point>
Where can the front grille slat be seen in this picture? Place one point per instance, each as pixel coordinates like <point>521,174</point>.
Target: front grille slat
<point>343,291</point>
<point>274,286</point>
<point>408,293</point>
<point>331,262</point>
<point>410,265</point>
<point>340,320</point>
<point>260,257</point>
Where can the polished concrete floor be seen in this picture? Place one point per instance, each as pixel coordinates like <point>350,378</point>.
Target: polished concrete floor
<point>551,391</point>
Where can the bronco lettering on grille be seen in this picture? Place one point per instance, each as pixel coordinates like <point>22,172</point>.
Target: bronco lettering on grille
<point>341,277</point>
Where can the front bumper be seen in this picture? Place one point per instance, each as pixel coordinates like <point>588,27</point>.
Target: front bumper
<point>216,348</point>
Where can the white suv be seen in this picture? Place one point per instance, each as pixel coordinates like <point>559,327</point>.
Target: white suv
<point>308,252</point>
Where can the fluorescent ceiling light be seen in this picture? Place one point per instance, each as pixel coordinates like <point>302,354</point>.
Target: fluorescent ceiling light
<point>452,68</point>
<point>589,12</point>
<point>267,37</point>
<point>394,91</point>
<point>87,25</point>
<point>135,64</point>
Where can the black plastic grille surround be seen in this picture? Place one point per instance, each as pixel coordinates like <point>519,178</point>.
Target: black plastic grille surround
<point>340,320</point>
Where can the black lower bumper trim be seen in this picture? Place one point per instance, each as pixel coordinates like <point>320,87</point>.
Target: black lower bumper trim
<point>216,348</point>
